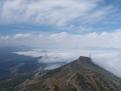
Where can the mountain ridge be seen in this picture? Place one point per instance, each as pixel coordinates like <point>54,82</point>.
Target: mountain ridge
<point>79,75</point>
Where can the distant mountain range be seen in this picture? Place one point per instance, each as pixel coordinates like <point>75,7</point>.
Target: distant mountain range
<point>79,75</point>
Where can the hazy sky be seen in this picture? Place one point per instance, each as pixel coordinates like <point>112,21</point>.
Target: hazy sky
<point>61,23</point>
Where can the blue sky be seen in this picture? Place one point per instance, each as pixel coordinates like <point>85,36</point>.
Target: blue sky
<point>96,15</point>
<point>61,23</point>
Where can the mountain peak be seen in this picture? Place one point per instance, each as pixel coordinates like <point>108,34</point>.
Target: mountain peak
<point>84,59</point>
<point>79,75</point>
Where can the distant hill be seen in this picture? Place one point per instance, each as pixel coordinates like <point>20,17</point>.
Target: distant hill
<point>79,75</point>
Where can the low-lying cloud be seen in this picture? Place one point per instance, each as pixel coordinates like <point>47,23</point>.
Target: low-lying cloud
<point>104,48</point>
<point>109,60</point>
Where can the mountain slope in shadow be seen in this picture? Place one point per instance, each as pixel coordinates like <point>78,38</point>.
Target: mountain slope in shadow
<point>79,75</point>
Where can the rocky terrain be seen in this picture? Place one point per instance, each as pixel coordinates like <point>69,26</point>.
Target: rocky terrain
<point>79,75</point>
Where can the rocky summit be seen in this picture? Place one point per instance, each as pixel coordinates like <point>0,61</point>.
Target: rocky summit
<point>79,75</point>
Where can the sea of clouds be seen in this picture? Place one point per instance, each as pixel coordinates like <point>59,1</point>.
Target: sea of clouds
<point>107,59</point>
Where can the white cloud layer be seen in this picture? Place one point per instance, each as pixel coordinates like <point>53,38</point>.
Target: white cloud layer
<point>64,40</point>
<point>53,12</point>
<point>104,48</point>
<point>107,59</point>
